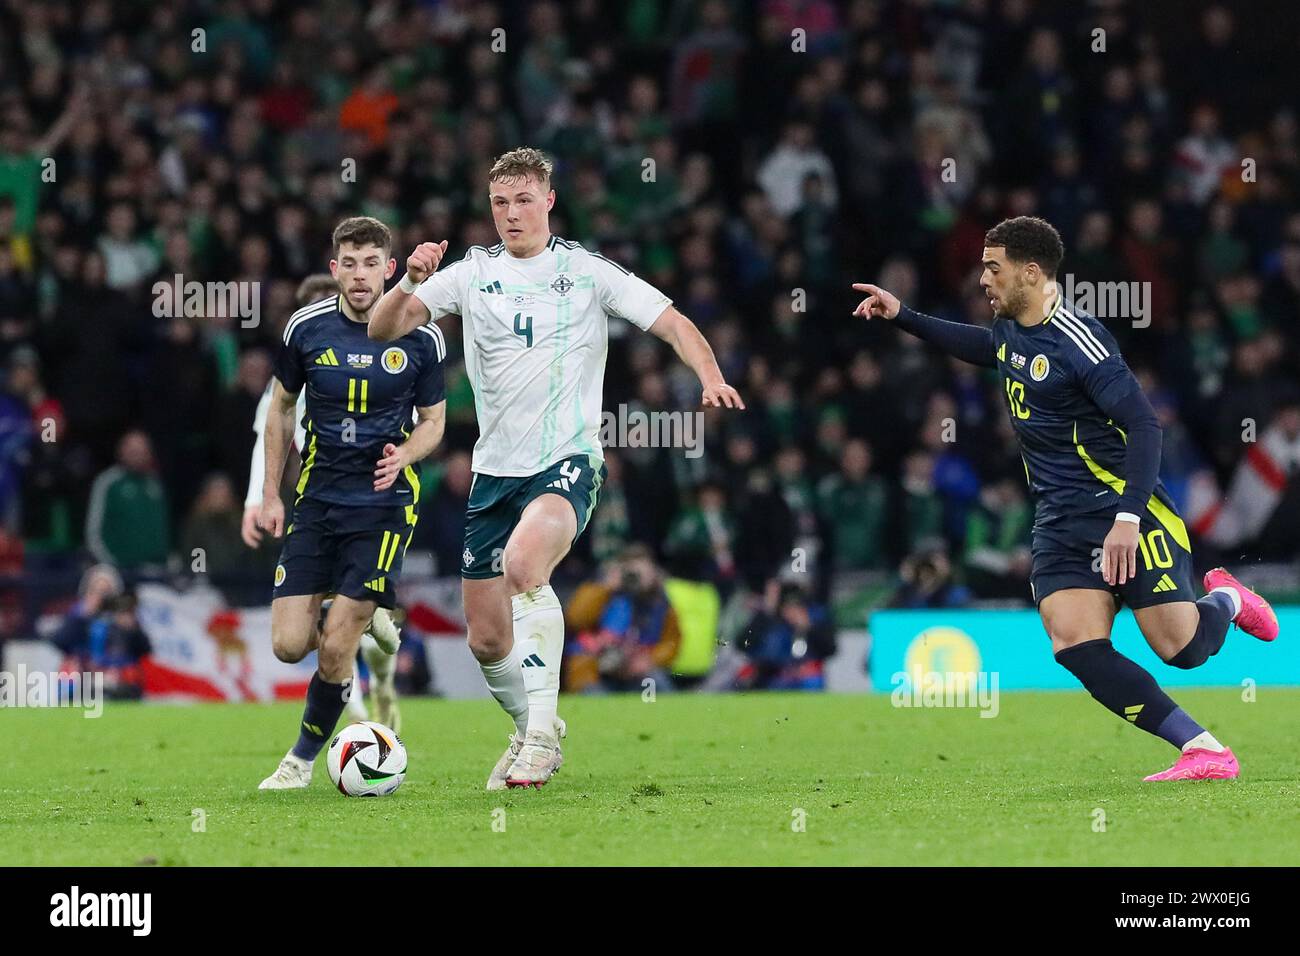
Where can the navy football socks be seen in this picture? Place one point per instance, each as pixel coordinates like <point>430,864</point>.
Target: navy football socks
<point>325,703</point>
<point>1127,690</point>
<point>1216,614</point>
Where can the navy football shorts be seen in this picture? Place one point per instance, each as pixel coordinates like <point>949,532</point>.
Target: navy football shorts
<point>344,549</point>
<point>1067,554</point>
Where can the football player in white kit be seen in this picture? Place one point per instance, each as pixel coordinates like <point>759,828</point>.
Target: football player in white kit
<point>382,638</point>
<point>534,310</point>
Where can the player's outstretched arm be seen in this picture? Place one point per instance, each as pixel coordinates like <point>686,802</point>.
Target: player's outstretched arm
<point>424,438</point>
<point>399,311</point>
<point>970,343</point>
<point>279,433</point>
<point>693,349</point>
<point>248,529</point>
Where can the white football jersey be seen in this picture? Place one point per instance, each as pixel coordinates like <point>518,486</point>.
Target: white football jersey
<point>536,333</point>
<point>257,467</point>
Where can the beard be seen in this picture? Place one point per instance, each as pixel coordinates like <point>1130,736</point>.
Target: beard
<point>1015,301</point>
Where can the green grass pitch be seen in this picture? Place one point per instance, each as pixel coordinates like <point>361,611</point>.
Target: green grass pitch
<point>682,780</point>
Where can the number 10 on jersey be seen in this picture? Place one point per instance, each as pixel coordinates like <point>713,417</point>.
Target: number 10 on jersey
<point>524,327</point>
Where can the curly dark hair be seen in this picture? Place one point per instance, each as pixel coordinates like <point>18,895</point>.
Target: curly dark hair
<point>1029,239</point>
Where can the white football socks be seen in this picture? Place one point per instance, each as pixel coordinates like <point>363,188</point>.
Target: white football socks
<point>383,666</point>
<point>1236,599</point>
<point>506,682</point>
<point>539,642</point>
<point>356,707</point>
<point>1204,741</point>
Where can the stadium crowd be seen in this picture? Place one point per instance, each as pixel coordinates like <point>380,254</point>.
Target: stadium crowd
<point>750,159</point>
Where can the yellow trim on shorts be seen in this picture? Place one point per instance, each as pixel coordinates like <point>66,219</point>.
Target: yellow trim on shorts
<point>1159,510</point>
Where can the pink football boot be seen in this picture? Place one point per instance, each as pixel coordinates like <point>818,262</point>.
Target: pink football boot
<point>1199,764</point>
<point>1256,618</point>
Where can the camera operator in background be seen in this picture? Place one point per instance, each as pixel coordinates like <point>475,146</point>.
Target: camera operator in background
<point>102,633</point>
<point>927,581</point>
<point>786,641</point>
<point>626,629</point>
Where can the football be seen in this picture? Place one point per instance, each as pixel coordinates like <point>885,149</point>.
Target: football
<point>366,759</point>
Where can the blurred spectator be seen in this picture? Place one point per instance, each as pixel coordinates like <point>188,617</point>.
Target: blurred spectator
<point>700,543</point>
<point>414,674</point>
<point>127,525</point>
<point>210,540</point>
<point>99,585</point>
<point>996,558</point>
<point>854,508</point>
<point>927,582</point>
<point>785,173</point>
<point>626,630</point>
<point>786,641</point>
<point>102,634</point>
<point>441,528</point>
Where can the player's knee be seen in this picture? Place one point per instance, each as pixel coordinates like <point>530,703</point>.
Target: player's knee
<point>488,643</point>
<point>1065,636</point>
<point>288,645</point>
<point>523,572</point>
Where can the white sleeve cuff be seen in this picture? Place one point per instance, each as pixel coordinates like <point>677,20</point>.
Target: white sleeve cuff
<point>1127,516</point>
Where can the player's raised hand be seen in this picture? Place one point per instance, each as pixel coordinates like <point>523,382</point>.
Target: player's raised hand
<point>721,395</point>
<point>1119,553</point>
<point>271,517</point>
<point>248,529</point>
<point>878,303</point>
<point>423,262</point>
<point>390,466</point>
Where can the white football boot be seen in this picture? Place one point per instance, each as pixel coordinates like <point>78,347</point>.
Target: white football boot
<point>497,779</point>
<point>539,758</point>
<point>384,631</point>
<point>294,773</point>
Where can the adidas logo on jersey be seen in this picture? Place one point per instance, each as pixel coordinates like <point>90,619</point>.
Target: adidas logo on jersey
<point>1166,583</point>
<point>491,287</point>
<point>327,358</point>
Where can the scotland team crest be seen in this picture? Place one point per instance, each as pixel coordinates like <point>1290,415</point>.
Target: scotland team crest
<point>394,360</point>
<point>1039,368</point>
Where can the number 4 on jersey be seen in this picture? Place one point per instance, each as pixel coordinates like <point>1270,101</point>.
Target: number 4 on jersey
<point>524,327</point>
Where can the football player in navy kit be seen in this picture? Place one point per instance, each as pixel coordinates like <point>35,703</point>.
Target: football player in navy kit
<point>358,493</point>
<point>1105,529</point>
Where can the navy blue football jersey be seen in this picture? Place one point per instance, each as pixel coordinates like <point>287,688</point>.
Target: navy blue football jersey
<point>1054,379</point>
<point>360,397</point>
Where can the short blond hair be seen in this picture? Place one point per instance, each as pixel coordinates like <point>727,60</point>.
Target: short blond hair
<point>522,162</point>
